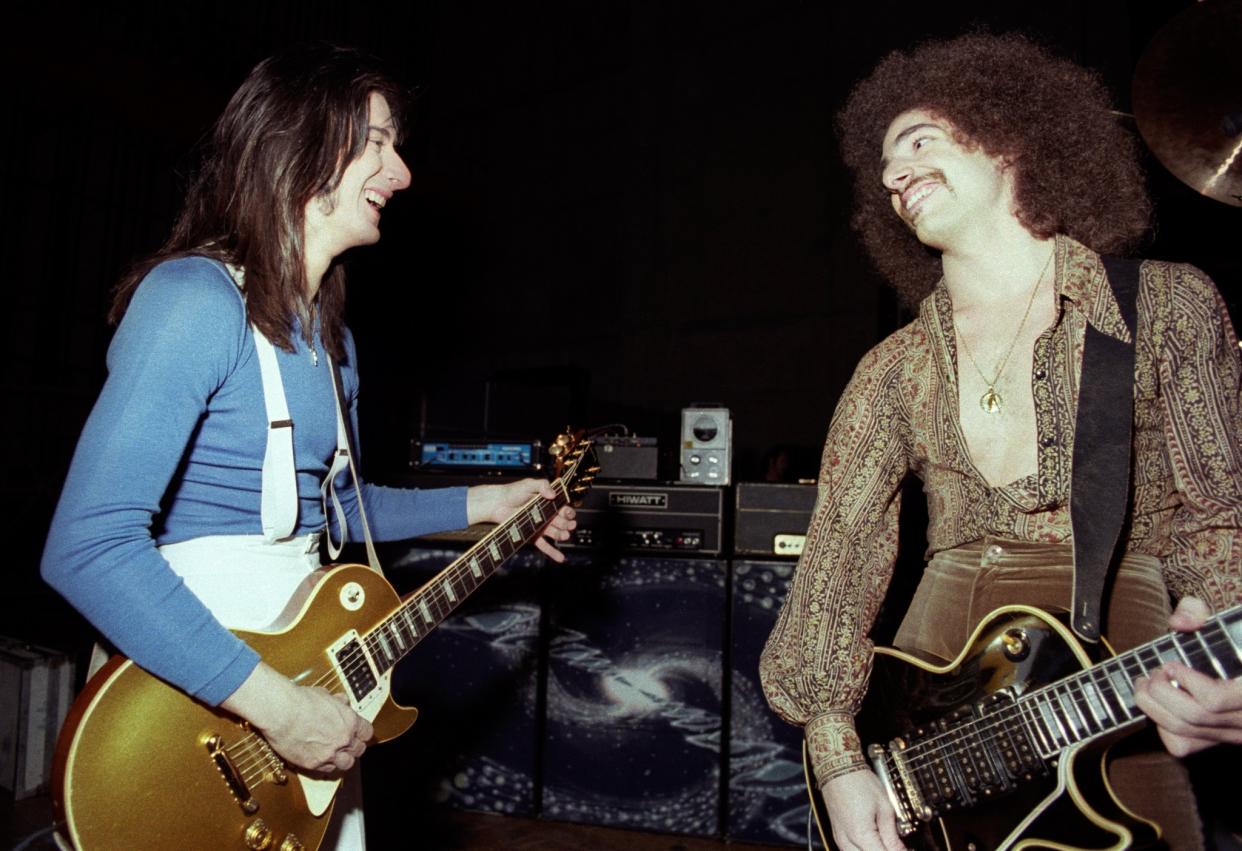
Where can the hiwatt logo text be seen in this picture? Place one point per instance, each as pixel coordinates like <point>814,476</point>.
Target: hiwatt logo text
<point>638,500</point>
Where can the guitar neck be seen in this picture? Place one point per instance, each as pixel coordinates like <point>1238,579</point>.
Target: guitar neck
<point>424,610</point>
<point>1100,699</point>
<point>994,745</point>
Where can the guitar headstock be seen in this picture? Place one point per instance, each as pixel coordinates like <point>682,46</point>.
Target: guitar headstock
<point>574,463</point>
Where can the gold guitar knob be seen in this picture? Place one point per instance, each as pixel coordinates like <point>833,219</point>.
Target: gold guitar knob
<point>292,843</point>
<point>258,835</point>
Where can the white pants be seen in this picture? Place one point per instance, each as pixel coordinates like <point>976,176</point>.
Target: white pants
<point>246,583</point>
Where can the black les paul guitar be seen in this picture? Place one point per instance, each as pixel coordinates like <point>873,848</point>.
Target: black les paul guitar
<point>1005,746</point>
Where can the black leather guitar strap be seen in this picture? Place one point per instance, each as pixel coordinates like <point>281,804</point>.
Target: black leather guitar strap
<point>1100,482</point>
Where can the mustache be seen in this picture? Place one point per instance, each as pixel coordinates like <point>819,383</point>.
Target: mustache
<point>934,175</point>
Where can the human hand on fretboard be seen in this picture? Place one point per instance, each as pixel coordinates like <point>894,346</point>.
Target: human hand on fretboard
<point>496,503</point>
<point>1192,711</point>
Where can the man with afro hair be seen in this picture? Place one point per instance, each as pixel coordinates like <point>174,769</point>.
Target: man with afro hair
<point>990,177</point>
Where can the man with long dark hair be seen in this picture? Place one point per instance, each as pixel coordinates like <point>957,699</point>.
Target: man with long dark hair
<point>990,177</point>
<point>208,469</point>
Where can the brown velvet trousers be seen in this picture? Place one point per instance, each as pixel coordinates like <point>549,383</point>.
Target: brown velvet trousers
<point>961,586</point>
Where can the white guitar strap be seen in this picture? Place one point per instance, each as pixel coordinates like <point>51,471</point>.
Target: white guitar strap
<point>279,501</point>
<point>280,492</point>
<point>279,498</point>
<point>278,511</point>
<point>342,459</point>
<point>280,488</point>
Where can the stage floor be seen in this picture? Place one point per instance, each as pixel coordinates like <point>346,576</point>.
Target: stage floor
<point>452,830</point>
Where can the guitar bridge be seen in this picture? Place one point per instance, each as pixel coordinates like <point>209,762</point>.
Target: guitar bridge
<point>907,805</point>
<point>241,792</point>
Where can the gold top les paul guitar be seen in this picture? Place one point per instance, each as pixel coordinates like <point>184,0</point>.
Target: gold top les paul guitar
<point>1006,746</point>
<point>140,764</point>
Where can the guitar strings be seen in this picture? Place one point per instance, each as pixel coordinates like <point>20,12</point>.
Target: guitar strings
<point>253,754</point>
<point>1201,650</point>
<point>1023,713</point>
<point>356,659</point>
<point>434,595</point>
<point>458,576</point>
<point>251,751</point>
<point>1080,700</point>
<point>1023,709</point>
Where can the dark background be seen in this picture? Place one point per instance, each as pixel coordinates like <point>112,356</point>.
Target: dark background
<point>618,208</point>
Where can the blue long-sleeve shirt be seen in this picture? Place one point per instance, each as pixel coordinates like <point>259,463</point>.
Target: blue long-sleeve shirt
<point>173,450</point>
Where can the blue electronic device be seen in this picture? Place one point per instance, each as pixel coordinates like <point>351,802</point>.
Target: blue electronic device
<point>446,455</point>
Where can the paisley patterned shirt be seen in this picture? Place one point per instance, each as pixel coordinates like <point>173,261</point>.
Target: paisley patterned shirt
<point>899,414</point>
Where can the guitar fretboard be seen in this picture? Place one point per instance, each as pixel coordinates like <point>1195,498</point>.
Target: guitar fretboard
<point>979,751</point>
<point>423,610</point>
<point>1100,699</point>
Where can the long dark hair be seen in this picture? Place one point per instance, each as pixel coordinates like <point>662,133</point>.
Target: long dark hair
<point>285,138</point>
<point>1077,172</point>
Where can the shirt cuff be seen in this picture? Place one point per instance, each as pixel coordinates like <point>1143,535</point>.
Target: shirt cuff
<point>834,746</point>
<point>230,678</point>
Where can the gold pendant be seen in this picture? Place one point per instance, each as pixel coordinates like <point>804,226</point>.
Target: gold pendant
<point>991,401</point>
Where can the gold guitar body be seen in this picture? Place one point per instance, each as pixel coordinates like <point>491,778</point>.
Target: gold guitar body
<point>142,765</point>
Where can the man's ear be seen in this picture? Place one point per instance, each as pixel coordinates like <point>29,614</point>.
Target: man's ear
<point>1008,166</point>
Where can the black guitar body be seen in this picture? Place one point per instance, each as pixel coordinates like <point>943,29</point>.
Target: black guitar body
<point>1064,803</point>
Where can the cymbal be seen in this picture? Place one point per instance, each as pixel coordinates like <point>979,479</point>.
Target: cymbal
<point>1187,97</point>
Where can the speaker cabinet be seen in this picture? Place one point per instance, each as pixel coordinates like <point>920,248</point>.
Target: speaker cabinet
<point>767,799</point>
<point>635,692</point>
<point>475,682</point>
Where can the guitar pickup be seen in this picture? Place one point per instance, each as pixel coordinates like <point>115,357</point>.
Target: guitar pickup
<point>364,686</point>
<point>357,669</point>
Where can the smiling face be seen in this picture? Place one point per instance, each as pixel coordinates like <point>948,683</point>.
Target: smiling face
<point>350,215</point>
<point>940,186</point>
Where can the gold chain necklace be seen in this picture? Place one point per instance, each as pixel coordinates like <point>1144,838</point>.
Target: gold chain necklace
<point>991,401</point>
